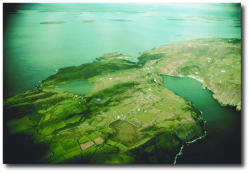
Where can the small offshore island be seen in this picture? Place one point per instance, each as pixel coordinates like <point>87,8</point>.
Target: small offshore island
<point>121,20</point>
<point>128,116</point>
<point>53,22</point>
<point>87,21</point>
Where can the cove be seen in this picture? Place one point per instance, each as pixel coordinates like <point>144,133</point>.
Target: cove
<point>82,87</point>
<point>222,144</point>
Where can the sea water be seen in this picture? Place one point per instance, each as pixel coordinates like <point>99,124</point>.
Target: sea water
<point>33,51</point>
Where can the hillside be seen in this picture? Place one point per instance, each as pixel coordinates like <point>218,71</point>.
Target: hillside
<point>214,62</point>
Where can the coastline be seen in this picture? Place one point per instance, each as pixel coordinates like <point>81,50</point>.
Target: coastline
<point>192,141</point>
<point>204,127</point>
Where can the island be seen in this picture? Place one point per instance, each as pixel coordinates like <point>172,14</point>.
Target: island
<point>87,21</point>
<point>53,22</point>
<point>126,114</point>
<point>121,20</point>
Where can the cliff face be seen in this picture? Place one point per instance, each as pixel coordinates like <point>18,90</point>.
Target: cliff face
<point>215,62</point>
<point>128,117</point>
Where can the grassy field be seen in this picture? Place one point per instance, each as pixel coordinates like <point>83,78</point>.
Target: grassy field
<point>126,133</point>
<point>128,117</point>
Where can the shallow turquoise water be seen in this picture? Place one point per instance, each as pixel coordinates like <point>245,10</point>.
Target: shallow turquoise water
<point>223,125</point>
<point>32,52</point>
<point>77,87</point>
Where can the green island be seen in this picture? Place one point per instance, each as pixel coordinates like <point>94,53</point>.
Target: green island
<point>127,116</point>
<point>121,20</point>
<point>87,20</point>
<point>53,22</point>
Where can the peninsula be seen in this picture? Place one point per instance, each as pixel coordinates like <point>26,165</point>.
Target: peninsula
<point>126,115</point>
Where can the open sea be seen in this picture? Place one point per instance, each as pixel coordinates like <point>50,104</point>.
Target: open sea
<point>34,51</point>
